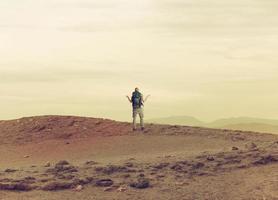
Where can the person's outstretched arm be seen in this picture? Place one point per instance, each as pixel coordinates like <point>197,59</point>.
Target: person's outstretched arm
<point>147,98</point>
<point>128,98</point>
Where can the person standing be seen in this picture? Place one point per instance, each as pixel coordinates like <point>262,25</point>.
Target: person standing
<point>137,101</point>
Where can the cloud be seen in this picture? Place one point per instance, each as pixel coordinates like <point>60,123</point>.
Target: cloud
<point>215,18</point>
<point>95,5</point>
<point>60,75</point>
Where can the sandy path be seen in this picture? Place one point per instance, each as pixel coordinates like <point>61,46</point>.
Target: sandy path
<point>109,149</point>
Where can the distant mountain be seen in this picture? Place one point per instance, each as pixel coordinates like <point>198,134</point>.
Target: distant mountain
<point>236,123</point>
<point>177,120</point>
<point>265,128</point>
<point>241,120</point>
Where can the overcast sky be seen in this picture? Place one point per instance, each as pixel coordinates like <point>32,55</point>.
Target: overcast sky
<point>204,58</point>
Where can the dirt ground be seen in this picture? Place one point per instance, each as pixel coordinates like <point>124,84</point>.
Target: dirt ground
<point>67,157</point>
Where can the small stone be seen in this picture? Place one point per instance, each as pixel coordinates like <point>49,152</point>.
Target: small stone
<point>198,165</point>
<point>121,189</point>
<point>62,162</point>
<point>180,183</point>
<point>15,186</point>
<point>26,156</point>
<point>10,170</point>
<point>141,183</point>
<point>104,182</point>
<point>129,164</point>
<point>141,175</point>
<point>47,164</point>
<point>251,146</point>
<point>235,148</point>
<point>52,186</point>
<point>78,188</point>
<point>108,189</point>
<point>210,158</point>
<point>90,162</point>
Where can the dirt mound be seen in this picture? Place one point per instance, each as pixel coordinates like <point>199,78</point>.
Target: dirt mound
<point>41,128</point>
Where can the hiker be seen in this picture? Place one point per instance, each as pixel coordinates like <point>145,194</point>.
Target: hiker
<point>137,107</point>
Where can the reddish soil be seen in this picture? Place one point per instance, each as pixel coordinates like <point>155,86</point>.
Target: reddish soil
<point>107,160</point>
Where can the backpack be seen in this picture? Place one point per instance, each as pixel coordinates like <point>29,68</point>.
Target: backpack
<point>136,100</point>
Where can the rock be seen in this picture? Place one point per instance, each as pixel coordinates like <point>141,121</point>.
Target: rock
<point>15,186</point>
<point>47,164</point>
<point>108,189</point>
<point>52,186</point>
<point>29,178</point>
<point>274,145</point>
<point>62,167</point>
<point>69,176</point>
<point>161,165</point>
<point>62,162</point>
<point>238,138</point>
<point>160,176</point>
<point>10,170</point>
<point>78,188</point>
<point>82,181</point>
<point>26,156</point>
<point>91,162</point>
<point>181,183</point>
<point>44,180</point>
<point>125,176</point>
<point>235,148</point>
<point>177,167</point>
<point>266,160</point>
<point>251,146</point>
<point>121,189</point>
<point>141,183</point>
<point>104,182</point>
<point>198,165</point>
<point>129,164</point>
<point>110,169</point>
<point>141,175</point>
<point>6,180</point>
<point>210,158</point>
<point>38,128</point>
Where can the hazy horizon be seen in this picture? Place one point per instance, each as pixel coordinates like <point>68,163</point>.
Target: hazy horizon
<point>208,60</point>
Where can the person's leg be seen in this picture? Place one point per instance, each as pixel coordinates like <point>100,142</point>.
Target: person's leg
<point>141,115</point>
<point>134,114</point>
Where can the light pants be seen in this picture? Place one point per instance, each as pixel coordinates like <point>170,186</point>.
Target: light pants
<point>140,112</point>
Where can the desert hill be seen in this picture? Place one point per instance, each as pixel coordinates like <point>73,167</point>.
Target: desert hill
<point>259,127</point>
<point>69,157</point>
<point>234,123</point>
<point>29,129</point>
<point>177,120</point>
<point>242,120</point>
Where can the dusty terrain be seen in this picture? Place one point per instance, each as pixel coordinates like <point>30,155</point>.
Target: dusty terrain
<point>66,157</point>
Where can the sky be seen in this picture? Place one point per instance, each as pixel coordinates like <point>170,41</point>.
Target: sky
<point>204,58</point>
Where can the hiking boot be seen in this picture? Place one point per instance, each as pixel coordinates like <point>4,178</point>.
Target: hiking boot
<point>134,129</point>
<point>142,128</point>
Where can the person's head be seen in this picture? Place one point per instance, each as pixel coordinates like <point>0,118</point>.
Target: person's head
<point>137,89</point>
